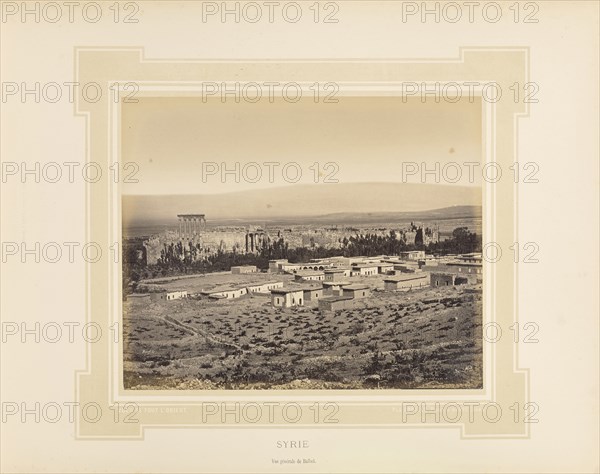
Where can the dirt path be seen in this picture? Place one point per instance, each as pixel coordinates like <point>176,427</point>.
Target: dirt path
<point>197,332</point>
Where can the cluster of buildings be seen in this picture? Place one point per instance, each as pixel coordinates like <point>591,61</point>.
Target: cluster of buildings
<point>325,282</point>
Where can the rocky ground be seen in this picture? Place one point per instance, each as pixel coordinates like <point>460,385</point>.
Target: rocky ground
<point>429,338</point>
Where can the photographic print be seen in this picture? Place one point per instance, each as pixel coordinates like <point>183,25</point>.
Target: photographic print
<point>299,237</point>
<point>307,244</point>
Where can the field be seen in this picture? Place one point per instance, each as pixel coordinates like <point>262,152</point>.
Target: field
<point>428,338</point>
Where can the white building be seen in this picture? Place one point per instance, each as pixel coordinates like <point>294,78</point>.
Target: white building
<point>287,297</point>
<point>227,292</point>
<point>413,255</point>
<point>309,275</point>
<point>168,295</point>
<point>364,269</point>
<point>264,287</point>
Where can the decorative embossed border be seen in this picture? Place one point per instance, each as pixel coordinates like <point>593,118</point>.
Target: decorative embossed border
<point>505,383</point>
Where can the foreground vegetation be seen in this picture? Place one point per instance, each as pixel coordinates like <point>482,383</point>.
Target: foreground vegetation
<point>428,338</point>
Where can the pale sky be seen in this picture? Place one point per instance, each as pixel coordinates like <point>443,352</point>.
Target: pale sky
<point>367,137</point>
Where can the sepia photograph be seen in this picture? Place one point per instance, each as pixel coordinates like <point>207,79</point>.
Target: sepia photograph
<point>291,237</point>
<point>302,245</point>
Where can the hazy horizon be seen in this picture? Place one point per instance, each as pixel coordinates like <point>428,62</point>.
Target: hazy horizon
<point>301,201</point>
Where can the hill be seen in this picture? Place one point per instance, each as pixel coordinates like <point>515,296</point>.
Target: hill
<point>349,202</point>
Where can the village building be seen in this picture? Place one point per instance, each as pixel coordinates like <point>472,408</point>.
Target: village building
<point>428,261</point>
<point>439,267</point>
<point>312,295</point>
<point>374,259</point>
<point>413,255</point>
<point>287,297</point>
<point>334,288</point>
<point>356,291</point>
<point>336,274</point>
<point>244,269</point>
<point>335,303</point>
<point>296,267</point>
<point>406,282</point>
<point>385,268</point>
<point>275,265</point>
<point>290,267</point>
<point>446,279</point>
<point>355,260</point>
<point>407,267</point>
<point>264,287</point>
<point>472,270</point>
<point>339,261</point>
<point>228,292</point>
<point>168,295</point>
<point>309,275</point>
<point>471,258</point>
<point>364,269</point>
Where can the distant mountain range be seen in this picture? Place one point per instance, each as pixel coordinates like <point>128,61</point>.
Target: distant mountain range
<point>454,212</point>
<point>321,203</point>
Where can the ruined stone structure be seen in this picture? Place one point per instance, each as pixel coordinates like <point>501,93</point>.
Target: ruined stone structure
<point>193,240</point>
<point>191,225</point>
<point>256,240</point>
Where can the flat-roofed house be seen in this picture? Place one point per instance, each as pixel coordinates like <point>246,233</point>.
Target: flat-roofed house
<point>312,295</point>
<point>264,287</point>
<point>168,295</point>
<point>227,292</point>
<point>364,269</point>
<point>385,267</point>
<point>244,269</point>
<point>290,267</point>
<point>356,260</point>
<point>334,288</point>
<point>309,275</point>
<point>407,266</point>
<point>470,270</point>
<point>471,258</point>
<point>374,259</point>
<point>406,282</point>
<point>445,279</point>
<point>335,303</point>
<point>336,274</point>
<point>428,261</point>
<point>413,255</point>
<point>356,291</point>
<point>287,297</point>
